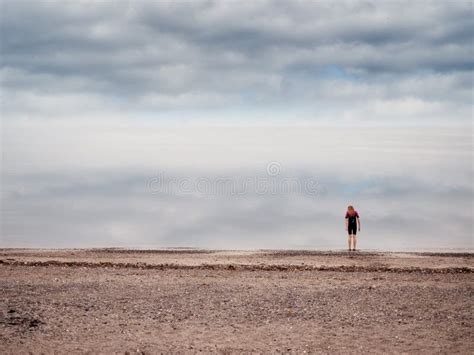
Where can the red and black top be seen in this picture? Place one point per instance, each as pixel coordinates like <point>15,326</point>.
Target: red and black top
<point>352,217</point>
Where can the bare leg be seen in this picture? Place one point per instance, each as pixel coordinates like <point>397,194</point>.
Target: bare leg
<point>354,241</point>
<point>349,241</point>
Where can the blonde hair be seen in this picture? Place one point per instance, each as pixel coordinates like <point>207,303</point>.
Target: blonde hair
<point>350,208</point>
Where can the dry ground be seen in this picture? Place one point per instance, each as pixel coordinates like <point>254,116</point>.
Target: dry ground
<point>187,301</point>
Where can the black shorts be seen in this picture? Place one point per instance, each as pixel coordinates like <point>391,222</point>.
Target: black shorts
<point>352,229</point>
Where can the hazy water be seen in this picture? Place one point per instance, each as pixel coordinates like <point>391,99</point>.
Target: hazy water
<point>239,188</point>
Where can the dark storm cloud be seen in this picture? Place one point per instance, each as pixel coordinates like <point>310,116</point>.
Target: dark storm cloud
<point>154,56</point>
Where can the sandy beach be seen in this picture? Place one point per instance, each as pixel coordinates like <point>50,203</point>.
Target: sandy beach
<point>189,301</point>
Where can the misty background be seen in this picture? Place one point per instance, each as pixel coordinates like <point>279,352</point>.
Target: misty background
<point>370,101</point>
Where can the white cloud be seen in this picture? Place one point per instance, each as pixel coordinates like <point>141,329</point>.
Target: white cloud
<point>316,57</point>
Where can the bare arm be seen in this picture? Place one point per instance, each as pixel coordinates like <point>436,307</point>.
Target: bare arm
<point>358,222</point>
<point>347,223</point>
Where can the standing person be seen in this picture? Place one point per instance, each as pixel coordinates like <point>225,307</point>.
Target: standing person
<point>352,222</point>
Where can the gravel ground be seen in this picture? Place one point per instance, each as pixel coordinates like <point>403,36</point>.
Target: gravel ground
<point>92,307</point>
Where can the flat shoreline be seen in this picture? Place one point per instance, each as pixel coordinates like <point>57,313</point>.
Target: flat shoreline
<point>242,259</point>
<point>189,301</point>
<point>194,250</point>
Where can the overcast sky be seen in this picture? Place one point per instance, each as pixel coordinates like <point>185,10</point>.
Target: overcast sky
<point>331,62</point>
<point>370,100</point>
